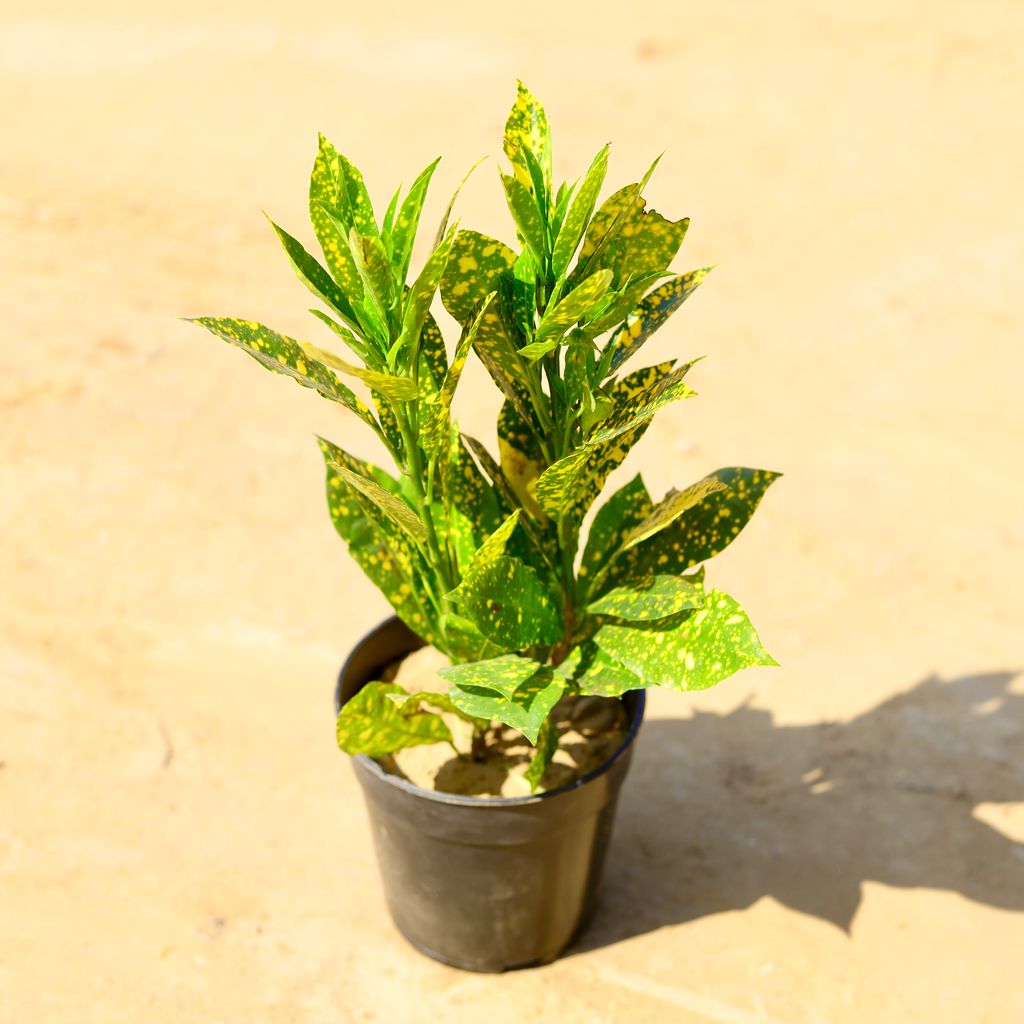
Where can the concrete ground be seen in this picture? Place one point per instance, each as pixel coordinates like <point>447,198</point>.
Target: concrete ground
<point>838,840</point>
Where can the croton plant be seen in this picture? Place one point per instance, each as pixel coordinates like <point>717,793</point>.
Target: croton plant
<point>481,555</point>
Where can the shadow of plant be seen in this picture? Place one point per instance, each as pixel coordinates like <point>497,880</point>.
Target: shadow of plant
<point>721,810</point>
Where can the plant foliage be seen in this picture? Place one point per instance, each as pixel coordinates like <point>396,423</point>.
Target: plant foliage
<point>486,558</point>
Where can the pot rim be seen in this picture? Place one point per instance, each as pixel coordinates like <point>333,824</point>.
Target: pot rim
<point>370,765</point>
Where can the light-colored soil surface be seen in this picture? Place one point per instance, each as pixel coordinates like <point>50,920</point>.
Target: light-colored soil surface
<point>838,840</point>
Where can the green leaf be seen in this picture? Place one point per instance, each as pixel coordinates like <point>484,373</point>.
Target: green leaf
<point>387,225</point>
<point>669,387</point>
<point>510,604</point>
<point>433,358</point>
<point>324,209</point>
<point>313,275</point>
<point>579,214</point>
<point>626,508</point>
<point>524,293</point>
<point>410,703</point>
<point>558,482</point>
<point>354,193</point>
<point>374,268</point>
<point>384,552</point>
<point>522,461</point>
<point>651,597</point>
<point>282,354</point>
<point>527,127</point>
<point>390,504</point>
<point>399,389</point>
<point>421,294</point>
<point>517,691</point>
<point>671,507</point>
<point>404,231</point>
<point>596,674</point>
<point>558,319</point>
<point>435,430</point>
<point>653,311</point>
<point>354,343</point>
<point>530,224</point>
<point>474,268</point>
<point>697,651</point>
<point>702,531</point>
<point>373,725</point>
<point>547,745</point>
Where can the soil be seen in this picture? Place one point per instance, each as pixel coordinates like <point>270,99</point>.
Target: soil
<point>590,730</point>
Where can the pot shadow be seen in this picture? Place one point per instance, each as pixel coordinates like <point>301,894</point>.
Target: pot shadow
<point>721,810</point>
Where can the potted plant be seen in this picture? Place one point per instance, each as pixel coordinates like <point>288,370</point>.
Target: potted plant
<point>483,558</point>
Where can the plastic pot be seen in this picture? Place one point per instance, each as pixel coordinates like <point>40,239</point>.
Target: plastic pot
<point>485,884</point>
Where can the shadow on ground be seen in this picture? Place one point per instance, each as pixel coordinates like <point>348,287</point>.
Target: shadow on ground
<point>721,810</point>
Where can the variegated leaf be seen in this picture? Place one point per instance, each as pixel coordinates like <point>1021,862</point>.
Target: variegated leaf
<point>399,389</point>
<point>528,219</point>
<point>385,553</point>
<point>371,724</point>
<point>510,604</point>
<point>527,127</point>
<point>282,354</point>
<point>578,215</point>
<point>651,597</point>
<point>421,294</point>
<point>671,507</point>
<point>595,674</point>
<point>357,199</point>
<point>473,270</point>
<point>324,197</point>
<point>559,318</point>
<point>390,504</point>
<point>313,275</point>
<point>653,311</point>
<point>374,269</point>
<point>408,220</point>
<point>702,531</point>
<point>693,652</point>
<point>517,691</point>
<point>626,508</point>
<point>435,433</point>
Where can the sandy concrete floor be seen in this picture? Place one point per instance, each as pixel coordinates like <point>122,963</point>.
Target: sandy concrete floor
<point>839,840</point>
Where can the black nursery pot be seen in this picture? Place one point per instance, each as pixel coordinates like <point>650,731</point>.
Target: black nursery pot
<point>485,884</point>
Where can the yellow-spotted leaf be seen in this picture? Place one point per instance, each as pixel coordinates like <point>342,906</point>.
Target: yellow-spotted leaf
<point>421,294</point>
<point>702,531</point>
<point>652,597</point>
<point>625,509</point>
<point>313,275</point>
<point>527,216</point>
<point>642,406</point>
<point>653,310</point>
<point>510,605</point>
<point>385,553</point>
<point>578,215</point>
<point>408,219</point>
<point>398,389</point>
<point>596,675</point>
<point>558,482</point>
<point>527,128</point>
<point>282,354</point>
<point>324,211</point>
<point>517,691</point>
<point>671,507</point>
<point>435,431</point>
<point>373,725</point>
<point>354,343</point>
<point>390,504</point>
<point>690,652</point>
<point>374,269</point>
<point>557,320</point>
<point>357,199</point>
<point>474,268</point>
